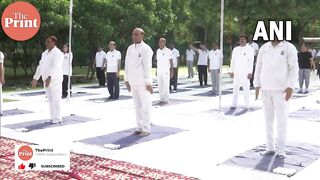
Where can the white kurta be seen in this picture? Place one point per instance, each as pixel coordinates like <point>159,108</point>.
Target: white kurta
<point>51,65</point>
<point>241,65</point>
<point>113,58</point>
<point>277,69</point>
<point>138,65</point>
<point>176,55</point>
<point>215,59</point>
<point>66,65</point>
<point>100,59</point>
<point>1,98</point>
<point>164,56</point>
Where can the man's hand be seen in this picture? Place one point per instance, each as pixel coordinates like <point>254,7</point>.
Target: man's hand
<point>257,92</point>
<point>34,83</point>
<point>288,93</point>
<point>219,71</point>
<point>209,70</point>
<point>2,81</point>
<point>47,82</point>
<point>231,75</point>
<point>249,76</point>
<point>149,88</point>
<point>128,86</point>
<point>118,74</point>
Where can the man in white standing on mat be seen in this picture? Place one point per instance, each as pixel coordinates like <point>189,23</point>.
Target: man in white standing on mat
<point>50,70</point>
<point>138,79</point>
<point>164,70</point>
<point>276,75</point>
<point>215,62</point>
<point>241,71</point>
<point>2,81</point>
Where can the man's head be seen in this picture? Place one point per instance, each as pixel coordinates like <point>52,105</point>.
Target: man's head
<point>215,46</point>
<point>112,45</point>
<point>202,46</point>
<point>172,45</point>
<point>190,46</point>
<point>66,48</point>
<point>162,43</point>
<point>137,35</point>
<point>99,49</point>
<point>243,40</point>
<point>51,42</point>
<point>304,48</point>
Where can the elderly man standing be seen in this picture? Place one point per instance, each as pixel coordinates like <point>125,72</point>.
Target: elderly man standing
<point>276,75</point>
<point>164,70</point>
<point>138,79</point>
<point>50,69</point>
<point>2,81</point>
<point>241,71</point>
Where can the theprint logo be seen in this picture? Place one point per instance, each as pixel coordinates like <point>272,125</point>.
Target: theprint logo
<point>280,30</point>
<point>20,21</point>
<point>25,153</point>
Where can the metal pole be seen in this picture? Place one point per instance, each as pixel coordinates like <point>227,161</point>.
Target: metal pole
<point>70,51</point>
<point>221,48</point>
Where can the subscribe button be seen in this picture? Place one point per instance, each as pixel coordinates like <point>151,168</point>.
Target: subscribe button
<point>34,157</point>
<point>20,21</point>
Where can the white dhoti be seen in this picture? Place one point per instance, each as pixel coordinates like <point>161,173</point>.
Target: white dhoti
<point>274,104</point>
<point>53,93</point>
<point>163,86</point>
<point>241,80</point>
<point>143,104</point>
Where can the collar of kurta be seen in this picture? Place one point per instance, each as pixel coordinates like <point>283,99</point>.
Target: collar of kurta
<point>138,44</point>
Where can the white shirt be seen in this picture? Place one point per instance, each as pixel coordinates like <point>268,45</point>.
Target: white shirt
<point>50,65</point>
<point>242,60</point>
<point>138,64</point>
<point>203,57</point>
<point>255,48</point>
<point>163,61</point>
<point>1,58</point>
<point>277,67</point>
<point>176,55</point>
<point>113,58</point>
<point>313,52</point>
<point>318,54</point>
<point>215,58</point>
<point>100,58</point>
<point>190,55</point>
<point>65,65</point>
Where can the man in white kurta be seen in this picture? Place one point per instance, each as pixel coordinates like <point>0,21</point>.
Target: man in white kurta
<point>164,70</point>
<point>138,79</point>
<point>215,62</point>
<point>2,81</point>
<point>276,75</point>
<point>50,70</point>
<point>241,71</point>
<point>190,54</point>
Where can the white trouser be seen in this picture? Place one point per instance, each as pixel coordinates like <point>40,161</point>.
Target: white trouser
<point>274,103</point>
<point>143,104</point>
<point>241,80</point>
<point>1,98</point>
<point>163,86</point>
<point>53,93</point>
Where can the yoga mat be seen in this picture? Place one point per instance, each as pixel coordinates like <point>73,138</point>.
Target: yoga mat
<point>299,156</point>
<point>15,112</point>
<point>43,124</point>
<point>126,138</point>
